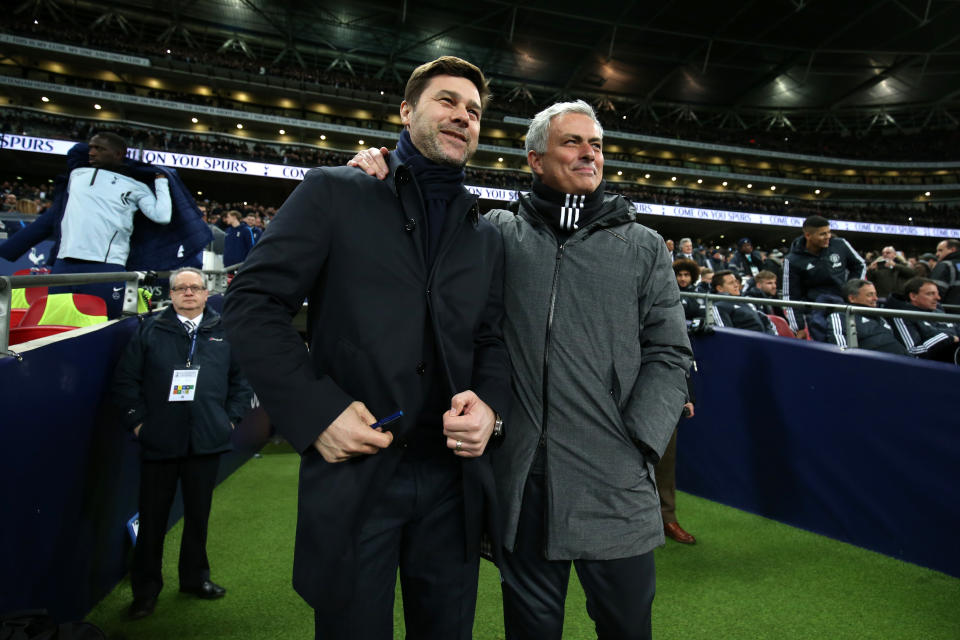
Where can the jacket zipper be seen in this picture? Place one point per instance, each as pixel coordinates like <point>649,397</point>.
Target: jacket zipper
<point>110,245</point>
<point>544,392</point>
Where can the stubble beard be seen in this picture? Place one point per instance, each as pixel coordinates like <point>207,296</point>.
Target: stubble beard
<point>432,149</point>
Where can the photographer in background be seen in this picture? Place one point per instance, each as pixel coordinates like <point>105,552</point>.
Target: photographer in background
<point>889,273</point>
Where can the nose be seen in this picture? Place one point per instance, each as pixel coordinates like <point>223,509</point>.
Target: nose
<point>588,152</point>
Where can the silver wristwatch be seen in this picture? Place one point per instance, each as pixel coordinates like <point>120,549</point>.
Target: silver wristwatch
<point>498,426</point>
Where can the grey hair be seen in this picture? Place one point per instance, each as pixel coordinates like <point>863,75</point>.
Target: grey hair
<point>682,240</point>
<point>539,129</point>
<point>175,274</point>
<point>852,287</point>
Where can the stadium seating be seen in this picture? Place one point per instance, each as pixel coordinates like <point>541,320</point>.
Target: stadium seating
<point>57,313</point>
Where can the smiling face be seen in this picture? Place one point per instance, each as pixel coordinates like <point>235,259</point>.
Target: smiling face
<point>573,161</point>
<point>866,296</point>
<point>444,124</point>
<point>818,238</point>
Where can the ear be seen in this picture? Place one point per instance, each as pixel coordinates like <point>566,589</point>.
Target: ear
<point>533,159</point>
<point>405,110</point>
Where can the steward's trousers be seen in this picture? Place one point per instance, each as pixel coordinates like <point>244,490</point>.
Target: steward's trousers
<point>619,592</point>
<point>158,486</point>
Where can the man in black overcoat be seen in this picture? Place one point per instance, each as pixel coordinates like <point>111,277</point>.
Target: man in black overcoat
<point>404,283</point>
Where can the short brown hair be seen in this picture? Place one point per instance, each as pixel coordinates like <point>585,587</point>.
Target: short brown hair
<point>913,285</point>
<point>445,66</point>
<point>233,213</point>
<point>765,275</point>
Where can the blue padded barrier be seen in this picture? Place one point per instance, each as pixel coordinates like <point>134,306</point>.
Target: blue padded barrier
<point>860,446</point>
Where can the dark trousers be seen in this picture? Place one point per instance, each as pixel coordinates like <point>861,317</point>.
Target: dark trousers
<point>666,475</point>
<point>158,486</point>
<point>619,592</point>
<point>111,292</point>
<point>417,525</point>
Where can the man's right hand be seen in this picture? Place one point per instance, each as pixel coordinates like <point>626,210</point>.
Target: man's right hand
<point>373,161</point>
<point>350,435</point>
<point>136,429</point>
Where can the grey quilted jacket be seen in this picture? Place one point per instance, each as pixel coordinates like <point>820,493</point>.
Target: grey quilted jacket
<point>599,348</point>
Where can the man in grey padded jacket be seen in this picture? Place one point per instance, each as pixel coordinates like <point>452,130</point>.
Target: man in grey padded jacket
<point>599,348</point>
<point>597,339</point>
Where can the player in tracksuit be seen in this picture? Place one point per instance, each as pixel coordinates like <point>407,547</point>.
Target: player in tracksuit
<point>818,264</point>
<point>873,332</point>
<point>927,339</point>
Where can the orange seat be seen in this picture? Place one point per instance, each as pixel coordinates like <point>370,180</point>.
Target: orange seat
<point>783,328</point>
<point>16,315</point>
<point>25,334</point>
<point>77,306</point>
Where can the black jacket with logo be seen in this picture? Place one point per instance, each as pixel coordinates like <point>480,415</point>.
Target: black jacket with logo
<point>807,276</point>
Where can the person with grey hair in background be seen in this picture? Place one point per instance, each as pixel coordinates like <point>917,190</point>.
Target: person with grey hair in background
<point>597,339</point>
<point>686,252</point>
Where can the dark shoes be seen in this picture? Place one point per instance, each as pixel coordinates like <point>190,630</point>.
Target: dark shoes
<point>675,531</point>
<point>142,607</point>
<point>207,590</point>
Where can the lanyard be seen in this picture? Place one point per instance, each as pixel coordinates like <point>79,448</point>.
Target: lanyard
<point>193,347</point>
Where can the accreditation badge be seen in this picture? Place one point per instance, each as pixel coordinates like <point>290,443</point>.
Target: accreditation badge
<point>184,385</point>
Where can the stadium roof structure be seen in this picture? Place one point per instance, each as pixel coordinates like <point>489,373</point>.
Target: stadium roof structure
<point>803,65</point>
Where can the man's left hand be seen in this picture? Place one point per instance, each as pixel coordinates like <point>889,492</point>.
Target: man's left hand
<point>468,425</point>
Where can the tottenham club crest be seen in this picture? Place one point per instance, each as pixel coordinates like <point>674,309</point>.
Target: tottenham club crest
<point>835,260</point>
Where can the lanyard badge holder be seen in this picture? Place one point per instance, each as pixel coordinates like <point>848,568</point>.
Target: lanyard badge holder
<point>183,387</point>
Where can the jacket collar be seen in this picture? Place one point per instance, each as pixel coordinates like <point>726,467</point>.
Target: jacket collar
<point>614,211</point>
<point>400,174</point>
<point>168,318</point>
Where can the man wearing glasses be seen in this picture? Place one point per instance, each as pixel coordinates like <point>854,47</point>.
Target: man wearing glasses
<point>181,393</point>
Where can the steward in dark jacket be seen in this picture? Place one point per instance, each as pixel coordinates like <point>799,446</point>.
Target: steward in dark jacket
<point>181,392</point>
<point>142,388</point>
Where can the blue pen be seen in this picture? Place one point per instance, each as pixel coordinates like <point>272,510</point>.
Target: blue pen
<point>391,418</point>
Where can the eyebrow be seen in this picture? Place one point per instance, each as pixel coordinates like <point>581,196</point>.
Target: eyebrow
<point>579,137</point>
<point>453,94</point>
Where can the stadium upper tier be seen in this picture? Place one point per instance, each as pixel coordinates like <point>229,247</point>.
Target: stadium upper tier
<point>299,157</point>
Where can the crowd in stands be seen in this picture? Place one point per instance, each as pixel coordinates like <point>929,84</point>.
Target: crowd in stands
<point>827,269</point>
<point>40,124</point>
<point>869,143</point>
